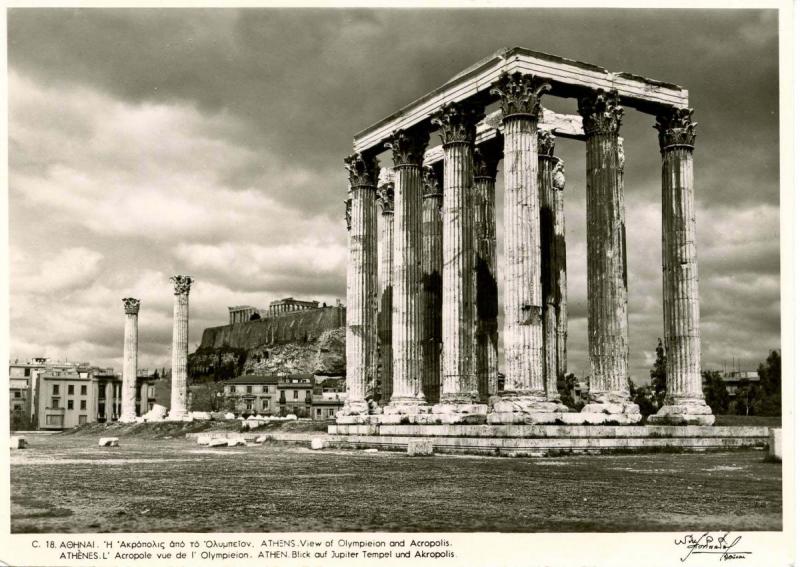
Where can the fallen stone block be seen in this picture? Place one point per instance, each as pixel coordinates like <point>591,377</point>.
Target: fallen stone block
<point>217,415</point>
<point>260,439</point>
<point>291,417</point>
<point>317,443</point>
<point>201,415</point>
<point>108,442</point>
<point>203,439</point>
<point>18,442</point>
<point>776,444</point>
<point>420,447</point>
<point>218,442</point>
<point>370,450</point>
<point>230,416</point>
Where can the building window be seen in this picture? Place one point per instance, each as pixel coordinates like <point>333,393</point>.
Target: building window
<point>232,389</point>
<point>17,394</point>
<point>17,407</point>
<point>330,412</point>
<point>83,390</point>
<point>69,404</point>
<point>249,389</point>
<point>81,418</point>
<point>294,394</point>
<point>54,420</point>
<point>83,404</point>
<point>319,412</point>
<point>27,372</point>
<point>265,389</point>
<point>56,389</point>
<point>249,404</point>
<point>55,403</point>
<point>265,404</point>
<point>71,390</point>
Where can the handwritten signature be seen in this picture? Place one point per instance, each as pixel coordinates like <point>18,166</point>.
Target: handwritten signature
<point>708,544</point>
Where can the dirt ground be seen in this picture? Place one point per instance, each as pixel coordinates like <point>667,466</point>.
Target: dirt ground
<point>66,483</point>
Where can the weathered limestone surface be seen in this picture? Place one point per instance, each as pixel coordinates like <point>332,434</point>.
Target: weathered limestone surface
<point>684,402</point>
<point>108,442</point>
<point>431,285</point>
<point>560,268</point>
<point>130,353</point>
<point>110,411</point>
<point>775,444</point>
<point>485,160</point>
<point>546,144</point>
<point>420,447</point>
<point>385,269</point>
<point>607,271</point>
<point>459,385</point>
<point>361,336</point>
<point>407,150</point>
<point>180,346</point>
<point>524,382</point>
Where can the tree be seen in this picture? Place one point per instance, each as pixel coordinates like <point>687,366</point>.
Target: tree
<point>566,393</point>
<point>745,399</point>
<point>643,397</point>
<point>658,376</point>
<point>768,395</point>
<point>715,392</point>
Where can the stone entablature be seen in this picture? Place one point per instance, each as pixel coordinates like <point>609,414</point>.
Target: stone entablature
<point>289,304</point>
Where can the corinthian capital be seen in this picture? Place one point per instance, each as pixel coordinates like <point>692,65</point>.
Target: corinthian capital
<point>484,162</point>
<point>131,305</point>
<point>182,284</point>
<point>408,146</point>
<point>348,213</point>
<point>547,143</point>
<point>430,183</point>
<point>457,122</point>
<point>362,170</point>
<point>675,128</point>
<point>520,94</point>
<point>601,112</point>
<point>386,197</point>
<point>559,181</point>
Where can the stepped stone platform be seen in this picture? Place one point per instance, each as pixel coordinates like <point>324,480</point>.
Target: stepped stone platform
<point>547,439</point>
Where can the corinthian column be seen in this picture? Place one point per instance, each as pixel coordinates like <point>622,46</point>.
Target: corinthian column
<point>484,163</point>
<point>361,337</point>
<point>407,148</point>
<point>560,269</point>
<point>607,270</point>
<point>180,346</point>
<point>546,143</point>
<point>684,402</point>
<point>130,354</point>
<point>524,394</point>
<point>385,268</point>
<point>431,285</point>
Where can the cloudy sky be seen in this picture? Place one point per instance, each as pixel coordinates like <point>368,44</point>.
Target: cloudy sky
<point>145,143</point>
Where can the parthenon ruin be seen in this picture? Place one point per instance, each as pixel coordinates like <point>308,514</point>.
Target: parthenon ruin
<point>421,282</point>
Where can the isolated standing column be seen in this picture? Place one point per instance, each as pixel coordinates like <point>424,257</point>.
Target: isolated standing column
<point>361,336</point>
<point>408,147</point>
<point>130,354</point>
<point>431,285</point>
<point>684,402</point>
<point>484,163</point>
<point>180,346</point>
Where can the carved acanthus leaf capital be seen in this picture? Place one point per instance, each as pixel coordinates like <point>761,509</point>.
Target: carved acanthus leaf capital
<point>408,146</point>
<point>546,142</point>
<point>484,162</point>
<point>601,112</point>
<point>675,128</point>
<point>362,170</point>
<point>182,284</point>
<point>457,122</point>
<point>386,197</point>
<point>348,213</point>
<point>520,94</point>
<point>131,305</point>
<point>430,183</point>
<point>559,180</point>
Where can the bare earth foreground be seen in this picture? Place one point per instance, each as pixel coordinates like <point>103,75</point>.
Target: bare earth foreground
<point>68,484</point>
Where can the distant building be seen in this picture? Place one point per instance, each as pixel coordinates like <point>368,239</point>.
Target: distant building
<point>736,381</point>
<point>244,313</point>
<point>298,394</point>
<point>290,304</point>
<point>66,399</point>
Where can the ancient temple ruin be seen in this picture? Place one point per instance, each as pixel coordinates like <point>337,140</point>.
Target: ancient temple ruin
<point>421,275</point>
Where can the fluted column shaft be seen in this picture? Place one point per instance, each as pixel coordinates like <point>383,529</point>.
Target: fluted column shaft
<point>109,409</point>
<point>607,272</point>
<point>385,289</point>
<point>407,150</point>
<point>431,286</point>
<point>143,399</point>
<point>180,347</point>
<point>130,353</point>
<point>485,170</point>
<point>361,331</point>
<point>546,142</point>
<point>560,269</point>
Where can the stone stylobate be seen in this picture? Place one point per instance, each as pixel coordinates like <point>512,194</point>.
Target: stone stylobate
<point>361,336</point>
<point>684,402</point>
<point>130,354</point>
<point>407,148</point>
<point>180,347</point>
<point>607,272</point>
